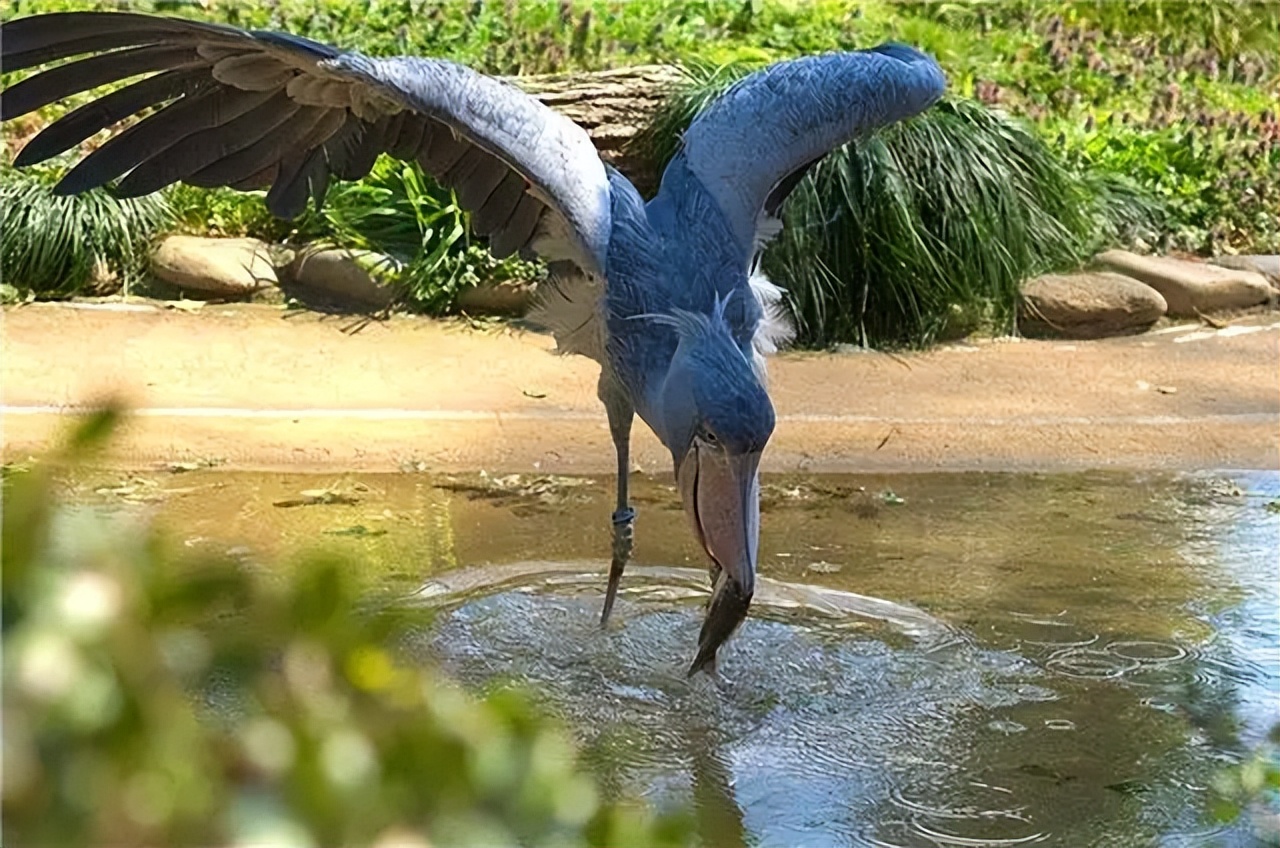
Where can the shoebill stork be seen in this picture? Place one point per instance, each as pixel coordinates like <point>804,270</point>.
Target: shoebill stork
<point>664,295</point>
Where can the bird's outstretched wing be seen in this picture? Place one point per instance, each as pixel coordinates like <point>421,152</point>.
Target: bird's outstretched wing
<point>752,145</point>
<point>265,109</point>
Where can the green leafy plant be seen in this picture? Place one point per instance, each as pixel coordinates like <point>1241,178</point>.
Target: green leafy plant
<point>401,213</point>
<point>1176,96</point>
<point>157,696</point>
<point>224,212</point>
<point>61,246</point>
<point>1231,27</point>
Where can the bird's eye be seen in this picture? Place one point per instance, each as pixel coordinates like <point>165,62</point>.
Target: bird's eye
<point>710,437</point>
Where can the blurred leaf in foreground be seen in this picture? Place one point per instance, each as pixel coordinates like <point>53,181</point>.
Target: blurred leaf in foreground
<point>161,698</point>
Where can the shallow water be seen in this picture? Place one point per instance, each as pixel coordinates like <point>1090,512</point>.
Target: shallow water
<point>956,659</point>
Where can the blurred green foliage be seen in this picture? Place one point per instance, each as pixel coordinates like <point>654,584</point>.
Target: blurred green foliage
<point>155,696</point>
<point>1153,104</point>
<point>1251,790</point>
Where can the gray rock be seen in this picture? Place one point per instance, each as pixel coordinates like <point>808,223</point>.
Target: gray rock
<point>1088,305</point>
<point>1264,264</point>
<point>235,267</point>
<point>354,275</point>
<point>1190,288</point>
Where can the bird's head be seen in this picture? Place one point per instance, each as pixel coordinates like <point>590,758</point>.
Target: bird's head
<point>716,418</point>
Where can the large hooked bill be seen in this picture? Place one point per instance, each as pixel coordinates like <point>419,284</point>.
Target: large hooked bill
<point>721,493</point>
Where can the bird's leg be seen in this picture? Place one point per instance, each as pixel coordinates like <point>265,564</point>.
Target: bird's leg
<point>621,414</point>
<point>624,518</point>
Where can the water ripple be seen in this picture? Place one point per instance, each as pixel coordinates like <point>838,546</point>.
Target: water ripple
<point>662,584</point>
<point>805,733</point>
<point>1067,650</point>
<point>1148,652</point>
<point>1089,664</point>
<point>972,814</point>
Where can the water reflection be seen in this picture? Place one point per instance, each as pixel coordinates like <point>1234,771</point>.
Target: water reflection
<point>1118,641</point>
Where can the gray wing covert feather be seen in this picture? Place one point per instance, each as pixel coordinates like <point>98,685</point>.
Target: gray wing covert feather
<point>258,109</point>
<point>751,145</point>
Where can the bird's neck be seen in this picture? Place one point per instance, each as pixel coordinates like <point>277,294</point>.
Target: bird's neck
<point>673,253</point>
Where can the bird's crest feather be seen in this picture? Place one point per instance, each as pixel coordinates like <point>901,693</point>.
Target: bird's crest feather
<point>692,325</point>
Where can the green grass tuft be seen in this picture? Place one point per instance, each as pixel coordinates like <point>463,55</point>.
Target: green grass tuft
<point>62,246</point>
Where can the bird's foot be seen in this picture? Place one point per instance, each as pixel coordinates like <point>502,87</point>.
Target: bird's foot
<point>623,538</point>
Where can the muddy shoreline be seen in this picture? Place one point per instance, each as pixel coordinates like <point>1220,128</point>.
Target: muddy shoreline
<point>255,387</point>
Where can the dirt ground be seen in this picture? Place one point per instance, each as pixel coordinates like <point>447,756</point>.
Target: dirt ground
<point>257,387</point>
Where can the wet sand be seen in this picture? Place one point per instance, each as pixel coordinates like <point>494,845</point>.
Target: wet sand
<point>255,387</point>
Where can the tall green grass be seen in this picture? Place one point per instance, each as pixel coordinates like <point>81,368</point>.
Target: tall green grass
<point>60,246</point>
<point>925,229</point>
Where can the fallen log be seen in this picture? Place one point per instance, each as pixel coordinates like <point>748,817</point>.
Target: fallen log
<point>612,106</point>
